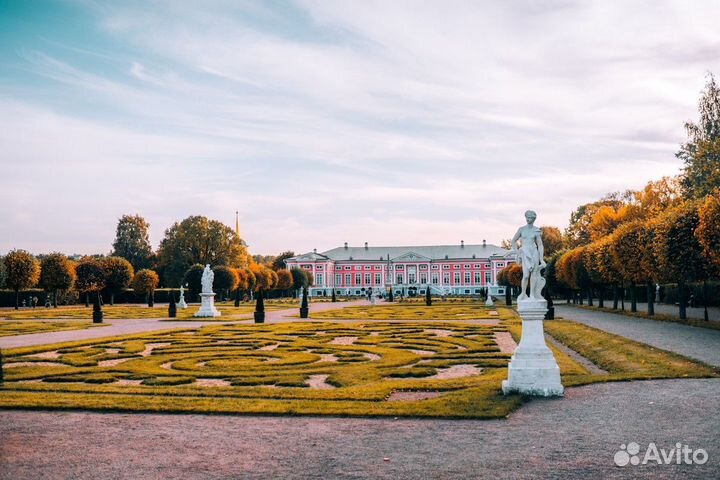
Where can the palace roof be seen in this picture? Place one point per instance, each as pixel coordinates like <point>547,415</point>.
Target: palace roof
<point>409,253</point>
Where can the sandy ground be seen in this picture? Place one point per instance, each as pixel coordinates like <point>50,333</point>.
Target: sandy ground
<point>570,438</point>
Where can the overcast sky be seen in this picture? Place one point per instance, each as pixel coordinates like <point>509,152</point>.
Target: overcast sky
<point>390,122</point>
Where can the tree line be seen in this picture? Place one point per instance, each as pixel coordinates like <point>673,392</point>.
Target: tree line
<point>187,246</point>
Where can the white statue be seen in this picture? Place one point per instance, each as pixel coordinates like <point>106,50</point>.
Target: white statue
<point>207,297</point>
<point>531,257</point>
<point>182,303</point>
<point>208,277</point>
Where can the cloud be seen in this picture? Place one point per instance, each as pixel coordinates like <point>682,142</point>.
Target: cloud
<point>322,122</point>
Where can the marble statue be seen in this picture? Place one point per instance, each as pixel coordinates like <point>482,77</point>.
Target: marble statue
<point>531,253</point>
<point>207,297</point>
<point>208,277</point>
<point>532,369</point>
<point>182,303</point>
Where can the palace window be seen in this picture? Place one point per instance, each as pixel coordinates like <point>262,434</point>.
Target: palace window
<point>487,265</point>
<point>477,278</point>
<point>500,264</point>
<point>477,265</point>
<point>488,277</point>
<point>400,279</point>
<point>423,278</point>
<point>446,278</point>
<point>466,266</point>
<point>456,278</point>
<point>456,266</point>
<point>318,267</point>
<point>467,278</point>
<point>348,279</point>
<point>367,279</point>
<point>423,267</point>
<point>446,267</point>
<point>399,267</point>
<point>358,279</point>
<point>338,279</point>
<point>319,279</point>
<point>411,278</point>
<point>378,279</point>
<point>348,267</point>
<point>435,278</point>
<point>368,267</point>
<point>435,267</point>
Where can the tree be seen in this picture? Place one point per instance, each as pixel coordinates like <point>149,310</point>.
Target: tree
<point>226,280</point>
<point>630,243</point>
<point>144,283</point>
<point>701,152</point>
<point>90,277</point>
<point>3,272</point>
<point>193,280</point>
<point>578,232</point>
<point>22,271</point>
<point>285,280</point>
<point>57,272</point>
<point>132,241</point>
<point>118,275</point>
<point>552,240</point>
<point>708,231</point>
<point>265,278</point>
<point>310,278</point>
<point>278,262</point>
<point>300,280</point>
<point>198,240</point>
<point>678,253</point>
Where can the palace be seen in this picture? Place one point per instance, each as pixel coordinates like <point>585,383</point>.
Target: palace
<point>445,269</point>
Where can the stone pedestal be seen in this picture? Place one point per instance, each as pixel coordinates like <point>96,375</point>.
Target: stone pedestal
<point>489,301</point>
<point>533,369</point>
<point>181,303</point>
<point>207,306</point>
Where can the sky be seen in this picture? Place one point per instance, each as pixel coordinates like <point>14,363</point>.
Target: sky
<point>323,122</point>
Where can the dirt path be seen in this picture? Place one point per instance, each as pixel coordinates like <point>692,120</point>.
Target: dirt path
<point>570,438</point>
<point>131,326</point>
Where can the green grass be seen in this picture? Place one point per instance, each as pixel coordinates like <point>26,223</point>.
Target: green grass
<point>8,328</point>
<point>125,312</point>
<point>410,311</point>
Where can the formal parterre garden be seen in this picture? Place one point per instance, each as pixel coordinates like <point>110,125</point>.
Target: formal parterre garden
<point>369,367</point>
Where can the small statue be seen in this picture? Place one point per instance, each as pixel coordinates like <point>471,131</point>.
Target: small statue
<point>208,277</point>
<point>531,256</point>
<point>182,303</point>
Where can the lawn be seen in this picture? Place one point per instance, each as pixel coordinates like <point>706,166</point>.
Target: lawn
<point>8,328</point>
<point>125,311</point>
<point>409,311</point>
<point>428,368</point>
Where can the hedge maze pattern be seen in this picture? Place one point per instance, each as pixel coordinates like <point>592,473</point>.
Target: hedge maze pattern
<point>353,368</point>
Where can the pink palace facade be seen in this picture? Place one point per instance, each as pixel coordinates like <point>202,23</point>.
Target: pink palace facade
<point>445,269</point>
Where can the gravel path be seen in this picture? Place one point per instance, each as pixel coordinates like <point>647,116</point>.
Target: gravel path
<point>131,326</point>
<point>699,343</point>
<point>570,438</point>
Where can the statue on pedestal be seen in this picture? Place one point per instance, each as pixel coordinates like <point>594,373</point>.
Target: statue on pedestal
<point>182,303</point>
<point>207,297</point>
<point>533,369</point>
<point>531,254</point>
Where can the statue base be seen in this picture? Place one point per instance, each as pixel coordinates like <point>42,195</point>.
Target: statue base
<point>207,306</point>
<point>182,303</point>
<point>533,369</point>
<point>489,301</point>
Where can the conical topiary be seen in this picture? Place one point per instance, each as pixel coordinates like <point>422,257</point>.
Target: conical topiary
<point>304,304</point>
<point>172,308</point>
<point>334,298</point>
<point>259,308</point>
<point>428,297</point>
<point>97,309</point>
